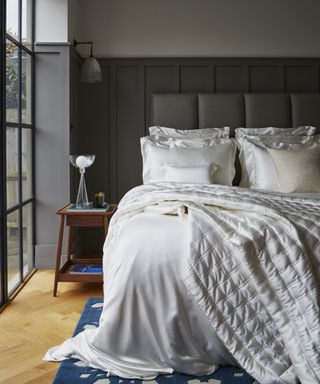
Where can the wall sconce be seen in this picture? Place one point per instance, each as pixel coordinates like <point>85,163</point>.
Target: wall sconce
<point>91,70</point>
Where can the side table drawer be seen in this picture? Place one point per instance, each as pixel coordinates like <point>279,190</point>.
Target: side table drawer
<point>88,221</point>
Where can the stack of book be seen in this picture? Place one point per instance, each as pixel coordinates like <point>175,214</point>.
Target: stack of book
<point>90,208</point>
<point>86,268</point>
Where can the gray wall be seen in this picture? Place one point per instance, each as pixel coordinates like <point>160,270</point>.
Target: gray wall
<point>114,114</point>
<point>89,111</point>
<point>219,28</point>
<point>52,123</point>
<point>117,112</point>
<point>51,21</point>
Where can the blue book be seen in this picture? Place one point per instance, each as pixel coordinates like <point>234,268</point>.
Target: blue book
<point>86,268</point>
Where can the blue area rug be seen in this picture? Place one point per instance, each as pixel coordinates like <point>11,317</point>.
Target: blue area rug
<point>75,372</point>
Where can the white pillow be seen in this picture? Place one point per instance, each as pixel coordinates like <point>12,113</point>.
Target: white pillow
<point>200,174</point>
<point>300,131</point>
<point>156,155</point>
<point>256,163</point>
<point>298,170</point>
<point>264,132</point>
<point>184,142</point>
<point>222,132</point>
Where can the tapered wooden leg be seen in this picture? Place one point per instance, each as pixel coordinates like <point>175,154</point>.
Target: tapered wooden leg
<point>58,259</point>
<point>105,225</point>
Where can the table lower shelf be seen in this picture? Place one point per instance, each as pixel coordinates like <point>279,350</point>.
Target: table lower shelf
<point>65,274</point>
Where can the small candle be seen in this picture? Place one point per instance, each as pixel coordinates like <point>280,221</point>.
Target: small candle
<point>98,199</point>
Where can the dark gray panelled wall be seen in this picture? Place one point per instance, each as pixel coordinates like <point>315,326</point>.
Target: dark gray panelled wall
<point>113,115</point>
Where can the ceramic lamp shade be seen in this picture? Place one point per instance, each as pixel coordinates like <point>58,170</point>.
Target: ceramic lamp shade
<point>91,71</point>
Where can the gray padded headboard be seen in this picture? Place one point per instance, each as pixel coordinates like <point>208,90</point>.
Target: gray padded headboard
<point>255,110</point>
<point>192,111</point>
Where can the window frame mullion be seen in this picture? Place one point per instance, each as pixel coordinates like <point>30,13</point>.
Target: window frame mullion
<point>3,198</point>
<point>20,219</point>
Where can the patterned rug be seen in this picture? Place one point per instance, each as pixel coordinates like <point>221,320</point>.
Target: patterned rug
<point>75,372</point>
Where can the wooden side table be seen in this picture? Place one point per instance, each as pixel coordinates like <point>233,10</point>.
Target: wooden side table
<point>79,219</point>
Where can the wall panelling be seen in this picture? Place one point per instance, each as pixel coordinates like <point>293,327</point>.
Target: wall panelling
<point>115,114</point>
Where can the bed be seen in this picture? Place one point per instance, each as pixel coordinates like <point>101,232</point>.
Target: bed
<point>199,275</point>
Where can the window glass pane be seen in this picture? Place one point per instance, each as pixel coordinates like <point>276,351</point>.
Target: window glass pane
<point>12,167</point>
<point>13,18</point>
<point>27,239</point>
<point>12,82</point>
<point>13,243</point>
<point>26,27</point>
<point>26,163</point>
<point>26,88</point>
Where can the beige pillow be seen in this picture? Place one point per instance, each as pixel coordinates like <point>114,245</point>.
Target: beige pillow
<point>298,170</point>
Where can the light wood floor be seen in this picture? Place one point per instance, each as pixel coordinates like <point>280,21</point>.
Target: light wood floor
<point>35,321</point>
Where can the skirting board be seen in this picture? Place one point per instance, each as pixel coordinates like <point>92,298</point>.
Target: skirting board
<point>45,256</point>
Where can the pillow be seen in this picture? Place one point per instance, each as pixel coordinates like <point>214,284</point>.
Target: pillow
<point>184,142</point>
<point>257,169</point>
<point>298,170</point>
<point>201,174</point>
<point>300,131</point>
<point>205,132</point>
<point>156,155</point>
<point>269,132</point>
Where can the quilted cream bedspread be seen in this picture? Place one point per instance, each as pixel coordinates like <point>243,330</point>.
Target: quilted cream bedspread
<point>252,268</point>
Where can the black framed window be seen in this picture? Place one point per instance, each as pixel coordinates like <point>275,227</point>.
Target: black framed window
<point>17,143</point>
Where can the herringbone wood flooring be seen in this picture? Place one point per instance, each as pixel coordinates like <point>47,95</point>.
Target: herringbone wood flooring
<point>34,322</point>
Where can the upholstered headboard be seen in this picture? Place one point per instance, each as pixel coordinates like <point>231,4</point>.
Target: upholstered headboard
<point>192,111</point>
<point>255,110</point>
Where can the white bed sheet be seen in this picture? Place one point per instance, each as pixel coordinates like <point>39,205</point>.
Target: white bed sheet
<point>260,297</point>
<point>156,325</point>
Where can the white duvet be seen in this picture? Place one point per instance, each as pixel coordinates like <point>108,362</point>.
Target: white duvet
<point>197,276</point>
